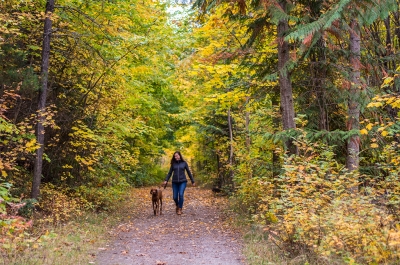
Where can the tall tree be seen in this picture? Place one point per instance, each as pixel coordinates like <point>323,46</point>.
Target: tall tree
<point>353,145</point>
<point>231,151</point>
<point>37,173</point>
<point>341,17</point>
<point>280,17</point>
<point>285,83</point>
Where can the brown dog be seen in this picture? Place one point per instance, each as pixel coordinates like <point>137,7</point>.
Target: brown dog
<point>156,198</point>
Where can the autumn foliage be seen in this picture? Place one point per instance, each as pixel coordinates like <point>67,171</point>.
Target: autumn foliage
<point>107,115</point>
<point>316,206</point>
<point>290,109</point>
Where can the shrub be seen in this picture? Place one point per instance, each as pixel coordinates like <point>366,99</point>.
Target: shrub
<point>251,194</point>
<point>101,198</point>
<point>57,205</point>
<point>315,207</point>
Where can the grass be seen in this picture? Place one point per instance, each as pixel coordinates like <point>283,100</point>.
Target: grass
<point>260,250</point>
<point>75,242</point>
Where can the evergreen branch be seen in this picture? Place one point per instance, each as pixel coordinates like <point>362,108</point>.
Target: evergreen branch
<point>278,14</point>
<point>324,22</point>
<point>375,9</point>
<point>368,12</point>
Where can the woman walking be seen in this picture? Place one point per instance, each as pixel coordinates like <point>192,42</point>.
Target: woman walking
<point>179,181</point>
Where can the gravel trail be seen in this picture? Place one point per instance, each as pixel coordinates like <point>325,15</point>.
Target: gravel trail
<point>201,235</point>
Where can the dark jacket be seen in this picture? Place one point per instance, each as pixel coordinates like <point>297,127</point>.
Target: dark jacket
<point>179,168</point>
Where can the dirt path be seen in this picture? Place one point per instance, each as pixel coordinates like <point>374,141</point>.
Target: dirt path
<point>200,235</point>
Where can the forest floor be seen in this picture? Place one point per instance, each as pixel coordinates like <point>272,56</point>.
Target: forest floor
<point>203,234</point>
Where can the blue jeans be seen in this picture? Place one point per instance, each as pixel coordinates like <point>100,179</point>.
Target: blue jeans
<point>178,190</point>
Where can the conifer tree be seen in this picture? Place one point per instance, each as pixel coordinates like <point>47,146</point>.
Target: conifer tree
<point>336,19</point>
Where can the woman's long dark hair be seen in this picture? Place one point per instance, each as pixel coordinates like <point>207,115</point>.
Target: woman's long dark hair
<point>173,160</point>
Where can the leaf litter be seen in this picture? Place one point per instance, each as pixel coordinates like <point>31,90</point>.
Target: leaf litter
<point>201,235</point>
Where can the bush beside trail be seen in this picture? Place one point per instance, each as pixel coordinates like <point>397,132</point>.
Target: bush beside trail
<point>318,212</point>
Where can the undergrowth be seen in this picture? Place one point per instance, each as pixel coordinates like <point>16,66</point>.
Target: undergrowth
<point>315,212</point>
<point>75,241</point>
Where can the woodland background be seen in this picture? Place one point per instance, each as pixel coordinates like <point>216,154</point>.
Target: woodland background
<point>289,108</point>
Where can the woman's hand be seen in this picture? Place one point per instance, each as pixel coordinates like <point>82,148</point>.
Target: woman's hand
<point>164,184</point>
<point>194,184</point>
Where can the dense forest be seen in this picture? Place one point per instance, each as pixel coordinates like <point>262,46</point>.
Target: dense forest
<point>290,108</point>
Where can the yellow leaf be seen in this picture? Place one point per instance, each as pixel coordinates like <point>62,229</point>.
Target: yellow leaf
<point>374,145</point>
<point>396,104</point>
<point>387,81</point>
<point>374,104</point>
<point>369,126</point>
<point>30,143</point>
<point>384,133</point>
<point>363,131</point>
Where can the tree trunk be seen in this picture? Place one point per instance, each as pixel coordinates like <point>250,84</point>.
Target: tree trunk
<point>323,115</point>
<point>320,79</point>
<point>37,173</point>
<point>287,106</point>
<point>230,146</point>
<point>247,127</point>
<point>396,19</point>
<point>220,181</point>
<point>389,48</point>
<point>276,166</point>
<point>353,123</point>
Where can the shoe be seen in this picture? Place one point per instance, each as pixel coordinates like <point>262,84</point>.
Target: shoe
<point>179,211</point>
